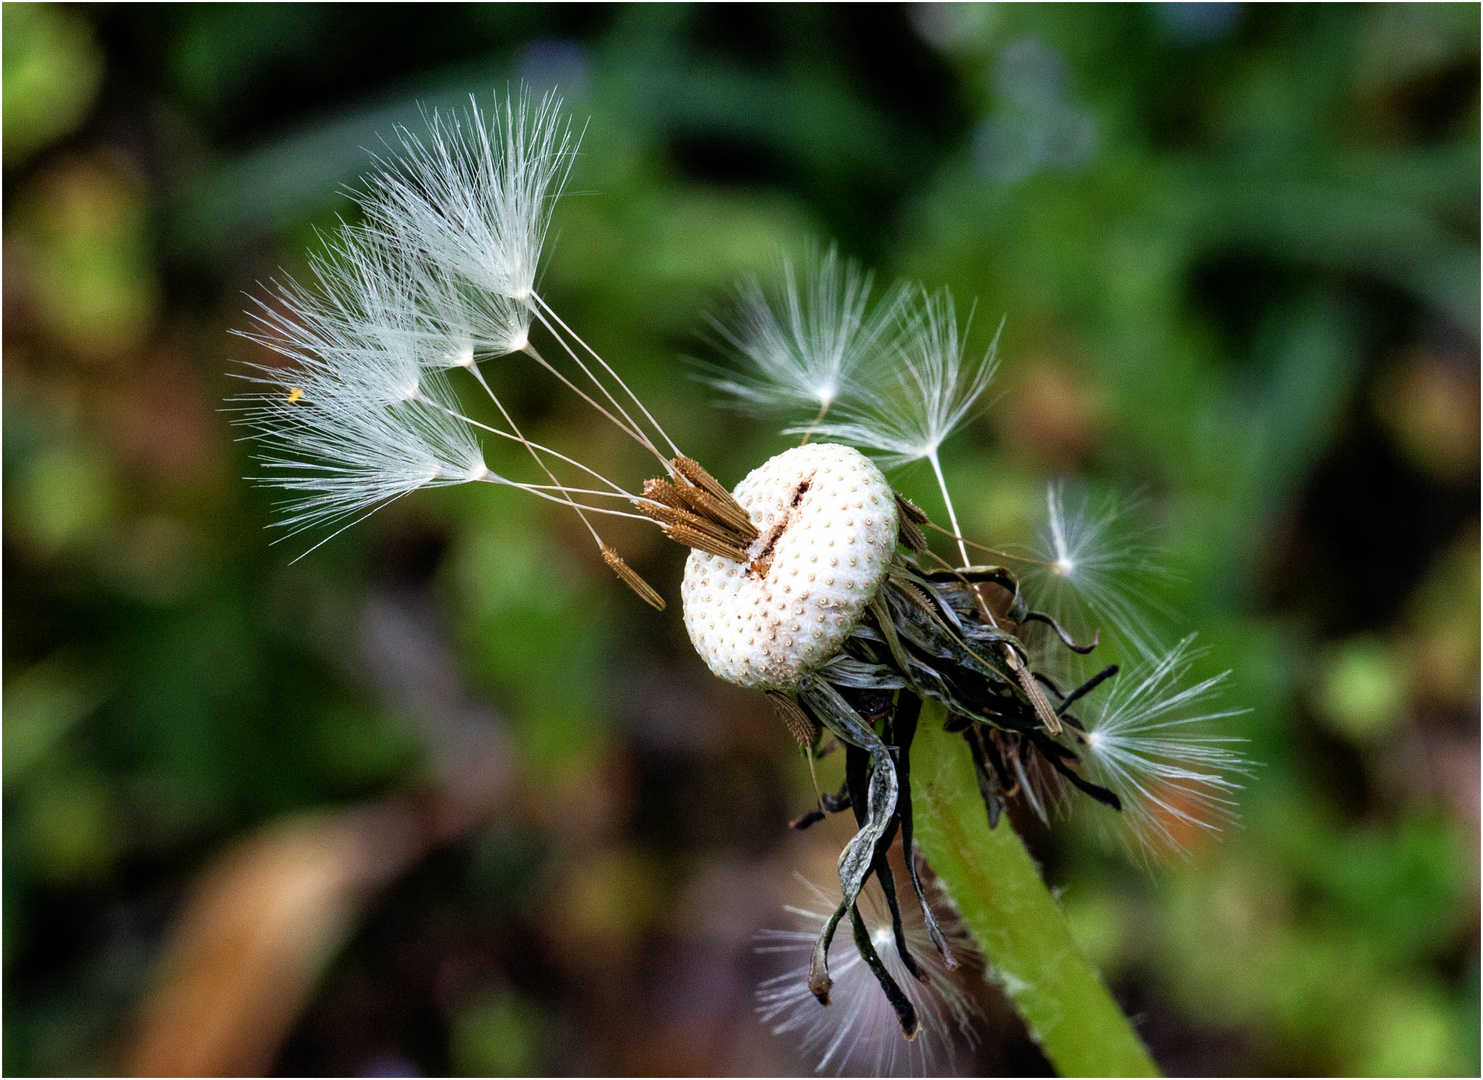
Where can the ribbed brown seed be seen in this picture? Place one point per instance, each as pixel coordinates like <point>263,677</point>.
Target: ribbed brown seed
<point>662,491</point>
<point>910,510</point>
<point>698,475</point>
<point>707,505</point>
<point>695,510</point>
<point>692,537</point>
<point>720,505</point>
<point>631,578</point>
<point>909,534</point>
<point>668,516</point>
<point>800,725</point>
<point>919,598</point>
<point>1038,701</point>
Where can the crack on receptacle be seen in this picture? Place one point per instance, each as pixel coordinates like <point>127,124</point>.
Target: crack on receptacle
<point>762,562</point>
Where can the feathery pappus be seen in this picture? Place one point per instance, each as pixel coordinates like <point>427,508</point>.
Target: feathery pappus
<point>858,1034</point>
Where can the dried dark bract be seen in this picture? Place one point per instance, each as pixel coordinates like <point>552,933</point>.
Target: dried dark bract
<point>952,636</point>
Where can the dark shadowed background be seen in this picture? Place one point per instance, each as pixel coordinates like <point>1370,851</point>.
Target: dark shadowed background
<point>443,797</point>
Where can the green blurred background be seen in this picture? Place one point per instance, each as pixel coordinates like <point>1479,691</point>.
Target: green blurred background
<point>443,797</point>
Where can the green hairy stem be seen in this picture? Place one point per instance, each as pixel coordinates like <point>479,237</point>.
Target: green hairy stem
<point>1013,916</point>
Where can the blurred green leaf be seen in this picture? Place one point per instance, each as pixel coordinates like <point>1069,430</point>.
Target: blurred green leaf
<point>63,498</point>
<point>501,1034</point>
<point>43,704</point>
<point>361,748</point>
<point>85,251</point>
<point>68,825</point>
<point>1399,886</point>
<point>1361,689</point>
<point>1414,1033</point>
<point>1099,924</point>
<point>533,630</point>
<point>52,69</point>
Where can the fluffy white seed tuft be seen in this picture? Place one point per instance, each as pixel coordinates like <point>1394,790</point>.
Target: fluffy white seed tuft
<point>802,347</point>
<point>341,453</point>
<point>926,388</point>
<point>476,195</point>
<point>463,323</point>
<point>857,1033</point>
<point>827,520</point>
<point>1093,574</point>
<point>1144,740</point>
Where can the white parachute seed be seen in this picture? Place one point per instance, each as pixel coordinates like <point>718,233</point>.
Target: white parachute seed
<point>797,502</point>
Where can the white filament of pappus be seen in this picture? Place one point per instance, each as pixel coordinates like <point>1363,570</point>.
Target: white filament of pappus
<point>1093,572</point>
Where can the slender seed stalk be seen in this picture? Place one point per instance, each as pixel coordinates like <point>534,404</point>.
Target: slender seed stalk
<point>814,423</point>
<point>1027,681</point>
<point>616,377</point>
<point>627,428</point>
<point>535,447</point>
<point>952,515</point>
<point>1014,918</point>
<point>540,493</point>
<point>500,405</point>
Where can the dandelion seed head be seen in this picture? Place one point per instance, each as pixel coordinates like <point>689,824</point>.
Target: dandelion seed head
<point>858,1033</point>
<point>441,276</point>
<point>358,416</point>
<point>341,453</point>
<point>1146,739</point>
<point>445,308</point>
